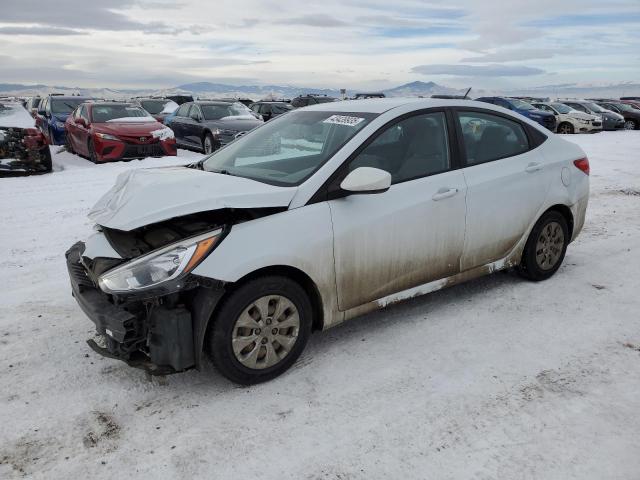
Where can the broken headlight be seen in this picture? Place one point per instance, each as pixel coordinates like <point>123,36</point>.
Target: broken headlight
<point>167,263</point>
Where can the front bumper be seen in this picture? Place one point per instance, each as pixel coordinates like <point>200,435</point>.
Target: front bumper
<point>107,150</point>
<point>161,335</point>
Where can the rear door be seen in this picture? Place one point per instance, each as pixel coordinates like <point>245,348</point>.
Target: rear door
<point>507,183</point>
<point>414,232</point>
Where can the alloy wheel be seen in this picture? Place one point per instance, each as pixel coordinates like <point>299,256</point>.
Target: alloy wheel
<point>208,145</point>
<point>565,128</point>
<point>265,332</point>
<point>549,246</point>
<point>629,125</point>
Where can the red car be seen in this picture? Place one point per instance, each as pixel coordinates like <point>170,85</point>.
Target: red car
<point>107,131</point>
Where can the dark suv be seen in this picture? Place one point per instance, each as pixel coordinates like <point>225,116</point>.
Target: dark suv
<point>631,115</point>
<point>310,99</point>
<point>269,110</point>
<point>545,119</point>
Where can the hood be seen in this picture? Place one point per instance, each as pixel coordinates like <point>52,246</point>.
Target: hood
<point>60,117</point>
<point>612,115</point>
<point>127,128</point>
<point>146,196</point>
<point>239,124</point>
<point>581,115</point>
<point>540,113</point>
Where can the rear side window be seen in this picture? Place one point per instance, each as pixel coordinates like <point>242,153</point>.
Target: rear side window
<point>490,137</point>
<point>412,148</point>
<point>183,111</point>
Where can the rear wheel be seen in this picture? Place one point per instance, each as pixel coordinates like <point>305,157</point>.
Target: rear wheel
<point>565,128</point>
<point>545,248</point>
<point>630,125</point>
<point>260,330</point>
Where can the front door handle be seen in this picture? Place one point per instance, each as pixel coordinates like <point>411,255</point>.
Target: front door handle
<point>443,193</point>
<point>533,167</point>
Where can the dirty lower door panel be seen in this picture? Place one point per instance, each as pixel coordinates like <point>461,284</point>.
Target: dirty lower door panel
<point>385,243</point>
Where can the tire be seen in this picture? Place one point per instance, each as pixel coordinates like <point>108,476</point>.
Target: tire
<point>630,125</point>
<point>545,248</point>
<point>208,144</point>
<point>240,328</point>
<point>46,162</point>
<point>93,156</point>
<point>566,128</point>
<point>50,136</point>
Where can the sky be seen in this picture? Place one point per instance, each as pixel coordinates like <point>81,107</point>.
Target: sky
<point>370,44</point>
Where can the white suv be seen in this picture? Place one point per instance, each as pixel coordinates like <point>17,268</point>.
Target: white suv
<point>316,217</point>
<point>569,120</point>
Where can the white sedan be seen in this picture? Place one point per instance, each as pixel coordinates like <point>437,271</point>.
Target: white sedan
<point>316,217</point>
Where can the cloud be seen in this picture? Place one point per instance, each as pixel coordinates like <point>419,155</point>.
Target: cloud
<point>477,70</point>
<point>514,54</point>
<point>320,20</point>
<point>53,31</point>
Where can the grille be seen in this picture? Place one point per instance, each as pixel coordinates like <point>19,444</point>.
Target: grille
<point>151,150</point>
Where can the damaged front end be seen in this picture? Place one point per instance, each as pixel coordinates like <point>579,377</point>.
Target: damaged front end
<point>23,151</point>
<point>137,287</point>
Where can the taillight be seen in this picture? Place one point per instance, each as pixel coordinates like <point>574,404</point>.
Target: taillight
<point>582,164</point>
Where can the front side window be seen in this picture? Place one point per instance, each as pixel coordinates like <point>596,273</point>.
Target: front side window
<point>289,149</point>
<point>412,148</point>
<point>490,137</point>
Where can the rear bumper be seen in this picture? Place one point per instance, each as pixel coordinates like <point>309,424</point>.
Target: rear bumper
<point>154,334</point>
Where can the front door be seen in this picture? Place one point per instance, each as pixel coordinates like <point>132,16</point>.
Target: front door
<point>414,232</point>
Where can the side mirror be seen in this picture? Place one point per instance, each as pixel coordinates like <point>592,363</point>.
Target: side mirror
<point>366,180</point>
<point>82,122</point>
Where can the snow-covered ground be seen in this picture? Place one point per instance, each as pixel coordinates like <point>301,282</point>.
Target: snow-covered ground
<point>496,378</point>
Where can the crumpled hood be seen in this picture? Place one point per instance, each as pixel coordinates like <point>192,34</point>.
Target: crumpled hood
<point>146,196</point>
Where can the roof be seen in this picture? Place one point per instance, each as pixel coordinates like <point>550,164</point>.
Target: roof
<point>381,105</point>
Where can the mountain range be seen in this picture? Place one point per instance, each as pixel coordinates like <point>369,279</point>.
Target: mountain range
<point>256,92</point>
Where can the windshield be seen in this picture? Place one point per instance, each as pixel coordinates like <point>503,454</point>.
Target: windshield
<point>623,106</point>
<point>222,110</point>
<point>561,107</point>
<point>593,107</point>
<point>65,105</point>
<point>105,113</point>
<point>153,106</point>
<point>520,105</point>
<point>289,149</point>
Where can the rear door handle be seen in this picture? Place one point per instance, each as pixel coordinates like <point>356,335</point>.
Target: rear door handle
<point>443,193</point>
<point>533,167</point>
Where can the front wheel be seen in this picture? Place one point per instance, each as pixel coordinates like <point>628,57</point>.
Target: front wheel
<point>93,156</point>
<point>565,128</point>
<point>629,125</point>
<point>260,330</point>
<point>208,144</point>
<point>545,248</point>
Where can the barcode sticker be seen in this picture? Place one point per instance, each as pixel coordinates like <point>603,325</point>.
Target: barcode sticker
<point>344,120</point>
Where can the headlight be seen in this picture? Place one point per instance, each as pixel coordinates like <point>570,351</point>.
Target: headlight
<point>106,136</point>
<point>582,120</point>
<point>167,263</point>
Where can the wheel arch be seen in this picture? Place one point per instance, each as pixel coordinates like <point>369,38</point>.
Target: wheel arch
<point>565,212</point>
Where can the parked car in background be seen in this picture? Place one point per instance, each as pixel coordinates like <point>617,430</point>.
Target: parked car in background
<point>23,148</point>
<point>209,125</point>
<point>31,106</point>
<point>366,203</point>
<point>362,96</point>
<point>269,110</point>
<point>245,101</point>
<point>53,112</point>
<point>631,115</point>
<point>108,131</point>
<point>569,120</point>
<point>610,120</point>
<point>546,119</point>
<point>158,108</point>
<point>311,99</point>
<point>633,103</point>
<point>180,99</point>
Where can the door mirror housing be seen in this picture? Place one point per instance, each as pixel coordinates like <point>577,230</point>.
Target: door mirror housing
<point>366,180</point>
<point>82,122</point>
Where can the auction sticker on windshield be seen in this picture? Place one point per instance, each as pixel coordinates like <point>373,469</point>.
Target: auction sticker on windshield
<point>344,120</point>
